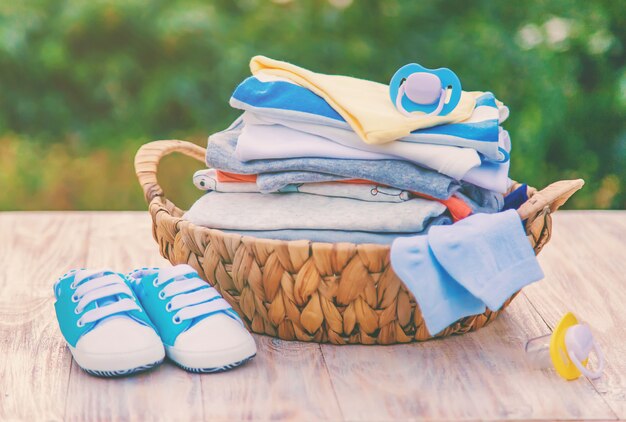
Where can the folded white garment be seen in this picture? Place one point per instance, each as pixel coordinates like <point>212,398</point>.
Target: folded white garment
<point>275,138</point>
<point>207,180</point>
<point>256,211</point>
<point>262,138</point>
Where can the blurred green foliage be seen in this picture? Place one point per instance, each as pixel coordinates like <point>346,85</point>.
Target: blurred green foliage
<point>83,83</point>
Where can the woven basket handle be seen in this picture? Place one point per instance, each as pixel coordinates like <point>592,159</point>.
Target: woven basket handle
<point>147,162</point>
<point>553,197</point>
<point>537,210</point>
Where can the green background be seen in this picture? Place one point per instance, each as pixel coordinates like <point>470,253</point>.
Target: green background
<point>84,83</point>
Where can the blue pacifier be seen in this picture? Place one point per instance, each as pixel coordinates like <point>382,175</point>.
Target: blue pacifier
<point>435,92</point>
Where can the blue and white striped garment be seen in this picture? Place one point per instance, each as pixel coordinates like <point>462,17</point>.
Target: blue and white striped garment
<point>284,100</point>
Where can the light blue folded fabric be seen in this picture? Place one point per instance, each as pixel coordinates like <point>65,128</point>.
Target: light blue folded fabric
<point>480,200</point>
<point>488,254</point>
<point>220,154</point>
<point>442,300</point>
<point>287,100</point>
<point>455,270</point>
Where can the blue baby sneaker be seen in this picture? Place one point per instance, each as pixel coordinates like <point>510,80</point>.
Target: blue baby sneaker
<point>105,326</point>
<point>200,330</point>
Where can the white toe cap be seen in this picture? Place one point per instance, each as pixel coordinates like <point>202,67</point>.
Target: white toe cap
<point>118,335</point>
<point>215,333</point>
<point>215,343</point>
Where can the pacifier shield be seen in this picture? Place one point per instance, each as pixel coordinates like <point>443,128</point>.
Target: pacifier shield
<point>425,90</point>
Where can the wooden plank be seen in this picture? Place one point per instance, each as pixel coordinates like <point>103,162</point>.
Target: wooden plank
<point>35,249</point>
<point>286,381</point>
<point>585,267</point>
<point>122,241</point>
<point>482,375</point>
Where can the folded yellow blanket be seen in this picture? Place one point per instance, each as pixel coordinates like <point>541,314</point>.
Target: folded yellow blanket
<point>365,105</point>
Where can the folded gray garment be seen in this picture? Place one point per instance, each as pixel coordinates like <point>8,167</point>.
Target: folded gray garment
<point>220,154</point>
<point>274,182</point>
<point>335,236</point>
<point>480,200</point>
<point>257,211</point>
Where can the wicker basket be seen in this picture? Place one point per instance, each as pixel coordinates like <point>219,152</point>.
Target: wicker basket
<point>299,290</point>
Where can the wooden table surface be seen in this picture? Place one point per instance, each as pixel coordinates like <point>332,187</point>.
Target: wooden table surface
<point>481,375</point>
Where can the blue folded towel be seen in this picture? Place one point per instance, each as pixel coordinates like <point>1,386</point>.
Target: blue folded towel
<point>484,259</point>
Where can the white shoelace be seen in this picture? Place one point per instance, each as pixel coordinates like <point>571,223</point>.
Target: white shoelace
<point>101,286</point>
<point>191,297</point>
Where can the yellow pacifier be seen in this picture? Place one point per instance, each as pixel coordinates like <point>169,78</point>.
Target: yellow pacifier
<point>567,349</point>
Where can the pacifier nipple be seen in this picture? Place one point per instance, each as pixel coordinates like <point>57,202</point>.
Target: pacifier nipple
<point>579,344</point>
<point>422,88</point>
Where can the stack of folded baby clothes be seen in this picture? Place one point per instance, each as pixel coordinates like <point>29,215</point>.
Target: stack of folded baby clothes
<point>330,159</point>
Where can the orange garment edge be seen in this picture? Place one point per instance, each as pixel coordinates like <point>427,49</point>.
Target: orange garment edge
<point>458,209</point>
